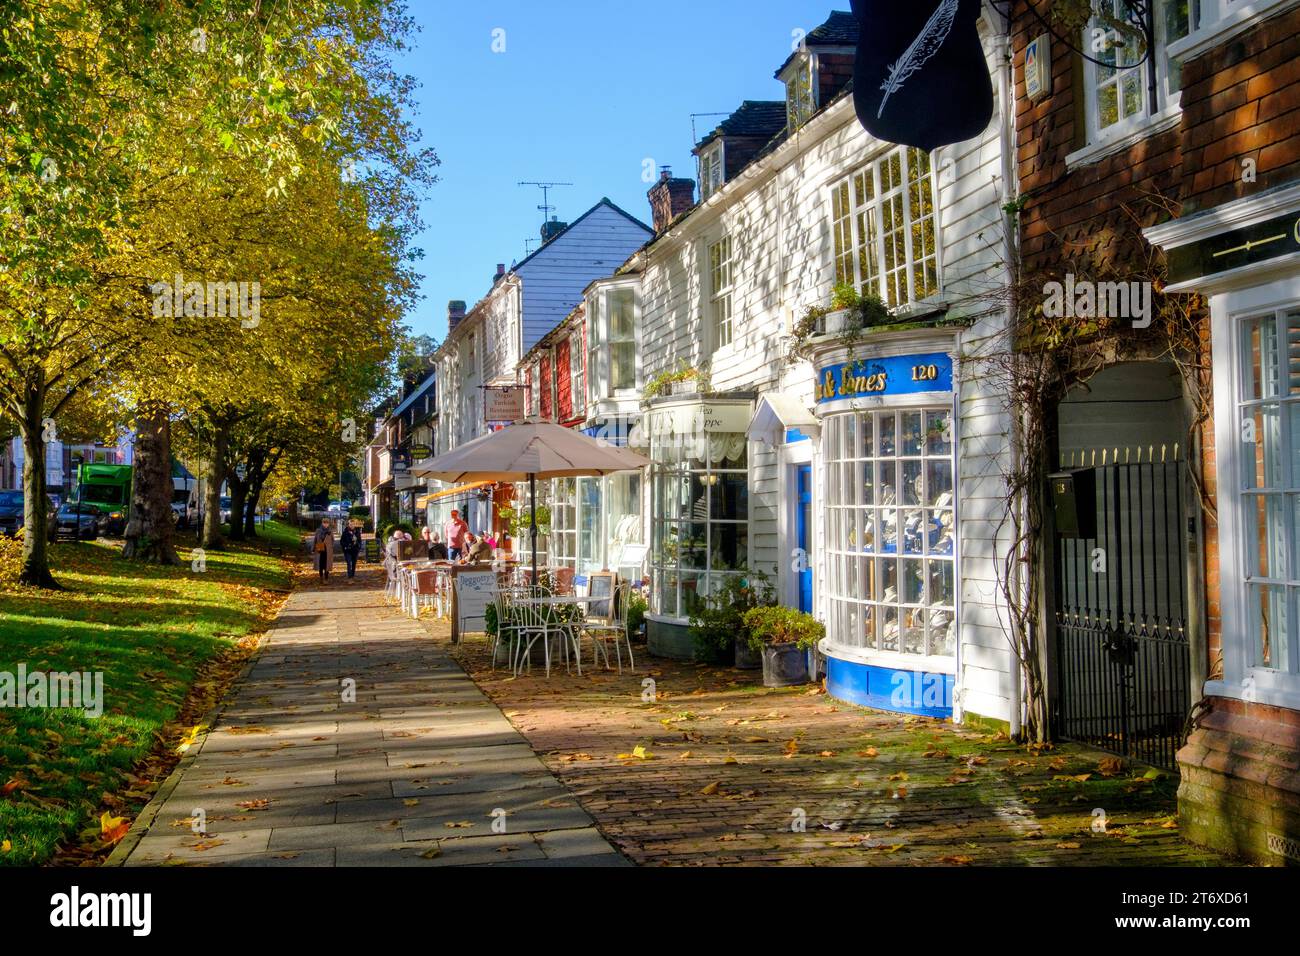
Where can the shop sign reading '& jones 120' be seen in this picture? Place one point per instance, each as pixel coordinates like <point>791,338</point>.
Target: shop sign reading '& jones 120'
<point>879,377</point>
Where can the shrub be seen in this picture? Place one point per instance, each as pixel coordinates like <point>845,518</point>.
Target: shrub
<point>11,561</point>
<point>359,511</point>
<point>637,607</point>
<point>782,625</point>
<point>719,622</point>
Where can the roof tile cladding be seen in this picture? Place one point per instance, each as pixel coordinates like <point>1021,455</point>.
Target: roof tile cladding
<point>840,29</point>
<point>762,119</point>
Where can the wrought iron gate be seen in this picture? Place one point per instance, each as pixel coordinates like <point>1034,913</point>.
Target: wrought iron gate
<point>1121,614</point>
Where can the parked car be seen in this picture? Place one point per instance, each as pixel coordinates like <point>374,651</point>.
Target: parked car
<point>225,508</point>
<point>11,513</point>
<point>336,508</point>
<point>78,526</point>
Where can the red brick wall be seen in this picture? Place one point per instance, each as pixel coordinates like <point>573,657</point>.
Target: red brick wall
<point>547,409</point>
<point>1240,100</point>
<point>563,381</point>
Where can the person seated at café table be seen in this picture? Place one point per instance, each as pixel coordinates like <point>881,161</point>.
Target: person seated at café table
<point>437,550</point>
<point>476,549</point>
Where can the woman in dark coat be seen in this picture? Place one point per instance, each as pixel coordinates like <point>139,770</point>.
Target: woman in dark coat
<point>350,542</point>
<point>322,546</point>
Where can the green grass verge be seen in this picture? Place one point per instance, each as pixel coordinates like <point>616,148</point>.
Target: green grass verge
<point>148,630</point>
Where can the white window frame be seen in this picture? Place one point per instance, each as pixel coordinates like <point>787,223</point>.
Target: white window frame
<point>802,67</point>
<point>577,380</point>
<point>534,388</point>
<point>1220,20</point>
<point>610,341</point>
<point>848,224</point>
<point>1149,118</point>
<point>721,279</point>
<point>1243,679</point>
<point>713,171</point>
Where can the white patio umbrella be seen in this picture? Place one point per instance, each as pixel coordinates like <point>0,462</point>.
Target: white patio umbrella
<point>529,450</point>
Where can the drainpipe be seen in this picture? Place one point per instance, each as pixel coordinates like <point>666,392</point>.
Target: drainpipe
<point>1010,190</point>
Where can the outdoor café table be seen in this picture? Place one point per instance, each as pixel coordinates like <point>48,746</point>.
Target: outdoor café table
<point>556,600</point>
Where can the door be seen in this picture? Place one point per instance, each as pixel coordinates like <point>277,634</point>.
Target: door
<point>803,535</point>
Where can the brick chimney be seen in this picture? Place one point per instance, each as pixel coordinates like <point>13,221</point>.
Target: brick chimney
<point>669,198</point>
<point>455,312</point>
<point>552,229</point>
<point>500,273</point>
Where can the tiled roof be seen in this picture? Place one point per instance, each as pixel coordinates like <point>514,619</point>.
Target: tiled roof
<point>760,118</point>
<point>840,30</point>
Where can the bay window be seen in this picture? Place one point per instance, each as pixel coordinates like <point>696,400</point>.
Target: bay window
<point>700,533</point>
<point>884,231</point>
<point>890,531</point>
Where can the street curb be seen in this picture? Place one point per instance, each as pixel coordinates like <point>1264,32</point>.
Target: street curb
<point>145,820</point>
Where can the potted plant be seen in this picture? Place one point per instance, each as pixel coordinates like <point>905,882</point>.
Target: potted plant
<point>637,607</point>
<point>783,635</point>
<point>717,623</point>
<point>682,380</point>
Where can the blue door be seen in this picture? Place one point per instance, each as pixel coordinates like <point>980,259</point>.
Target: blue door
<point>803,534</point>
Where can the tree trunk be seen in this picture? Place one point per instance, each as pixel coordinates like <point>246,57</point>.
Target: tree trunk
<point>36,556</point>
<point>212,476</point>
<point>149,526</point>
<point>238,495</point>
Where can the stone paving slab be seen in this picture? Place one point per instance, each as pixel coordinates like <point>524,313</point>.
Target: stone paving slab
<point>418,768</point>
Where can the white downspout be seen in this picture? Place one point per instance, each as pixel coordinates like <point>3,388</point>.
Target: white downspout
<point>1010,192</point>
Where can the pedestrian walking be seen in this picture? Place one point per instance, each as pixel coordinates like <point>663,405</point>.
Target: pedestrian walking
<point>455,529</point>
<point>351,544</point>
<point>323,548</point>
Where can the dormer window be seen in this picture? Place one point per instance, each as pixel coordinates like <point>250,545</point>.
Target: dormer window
<point>800,91</point>
<point>711,170</point>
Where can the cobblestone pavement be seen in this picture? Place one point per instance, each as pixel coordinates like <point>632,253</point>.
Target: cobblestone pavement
<point>419,770</point>
<point>720,770</point>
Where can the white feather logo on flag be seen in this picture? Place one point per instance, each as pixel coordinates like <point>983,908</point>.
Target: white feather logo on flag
<point>925,45</point>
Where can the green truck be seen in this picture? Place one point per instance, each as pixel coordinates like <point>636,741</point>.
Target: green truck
<point>105,490</point>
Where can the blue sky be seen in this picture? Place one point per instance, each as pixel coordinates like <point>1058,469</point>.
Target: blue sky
<point>584,92</point>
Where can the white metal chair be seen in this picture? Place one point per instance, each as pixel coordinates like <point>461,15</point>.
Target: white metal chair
<point>602,628</point>
<point>508,625</point>
<point>545,622</point>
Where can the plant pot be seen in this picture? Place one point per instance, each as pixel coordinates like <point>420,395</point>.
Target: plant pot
<point>685,386</point>
<point>837,323</point>
<point>784,665</point>
<point>747,659</point>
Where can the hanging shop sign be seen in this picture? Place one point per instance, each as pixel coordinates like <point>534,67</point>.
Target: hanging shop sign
<point>503,404</point>
<point>421,452</point>
<point>920,77</point>
<point>881,377</point>
<point>1232,250</point>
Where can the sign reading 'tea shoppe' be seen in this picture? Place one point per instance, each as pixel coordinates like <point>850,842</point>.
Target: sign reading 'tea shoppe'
<point>881,377</point>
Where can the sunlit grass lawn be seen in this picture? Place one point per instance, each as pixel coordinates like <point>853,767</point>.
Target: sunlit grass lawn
<point>149,630</point>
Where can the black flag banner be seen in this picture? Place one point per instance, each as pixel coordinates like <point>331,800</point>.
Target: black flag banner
<point>920,78</point>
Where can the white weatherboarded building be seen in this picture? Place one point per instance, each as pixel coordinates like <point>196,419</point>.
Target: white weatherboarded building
<point>835,475</point>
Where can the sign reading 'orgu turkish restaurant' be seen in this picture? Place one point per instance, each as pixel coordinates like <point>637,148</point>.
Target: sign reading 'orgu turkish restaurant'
<point>880,377</point>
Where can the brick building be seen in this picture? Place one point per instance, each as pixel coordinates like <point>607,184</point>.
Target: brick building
<point>1169,153</point>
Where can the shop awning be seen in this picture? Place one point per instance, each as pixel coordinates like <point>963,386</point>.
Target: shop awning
<point>424,500</point>
<point>776,415</point>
